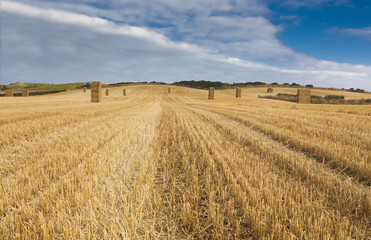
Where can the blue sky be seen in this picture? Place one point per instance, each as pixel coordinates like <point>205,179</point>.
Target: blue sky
<point>320,42</point>
<point>317,30</point>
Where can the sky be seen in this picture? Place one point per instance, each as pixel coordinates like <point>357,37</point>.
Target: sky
<point>325,43</point>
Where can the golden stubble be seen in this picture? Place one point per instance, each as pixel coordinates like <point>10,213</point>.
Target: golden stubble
<point>154,165</point>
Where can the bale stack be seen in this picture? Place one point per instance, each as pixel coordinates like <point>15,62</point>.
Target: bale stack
<point>169,90</point>
<point>238,92</point>
<point>304,96</point>
<point>211,93</point>
<point>107,92</point>
<point>9,93</point>
<point>25,93</point>
<point>269,90</point>
<point>84,89</point>
<point>123,92</point>
<point>96,91</point>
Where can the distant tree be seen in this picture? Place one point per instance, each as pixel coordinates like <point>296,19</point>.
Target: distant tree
<point>309,85</point>
<point>274,83</point>
<point>201,84</point>
<point>87,85</point>
<point>255,83</point>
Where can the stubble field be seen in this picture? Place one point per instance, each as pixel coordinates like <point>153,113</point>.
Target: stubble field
<point>152,165</point>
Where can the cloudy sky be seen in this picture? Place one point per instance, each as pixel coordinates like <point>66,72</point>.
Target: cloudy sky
<point>320,42</point>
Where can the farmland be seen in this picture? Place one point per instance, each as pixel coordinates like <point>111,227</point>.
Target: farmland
<point>152,165</point>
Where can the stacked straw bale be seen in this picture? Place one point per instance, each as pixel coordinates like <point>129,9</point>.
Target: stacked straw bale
<point>211,93</point>
<point>9,93</point>
<point>238,92</point>
<point>96,91</point>
<point>25,93</point>
<point>269,90</point>
<point>304,96</point>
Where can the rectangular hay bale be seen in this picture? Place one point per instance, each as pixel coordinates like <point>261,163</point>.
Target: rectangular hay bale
<point>303,96</point>
<point>9,93</point>
<point>238,92</point>
<point>124,92</point>
<point>96,91</point>
<point>211,93</point>
<point>269,90</point>
<point>25,93</point>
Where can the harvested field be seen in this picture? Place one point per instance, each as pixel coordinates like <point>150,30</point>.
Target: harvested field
<point>178,166</point>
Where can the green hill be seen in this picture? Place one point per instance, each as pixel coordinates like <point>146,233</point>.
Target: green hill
<point>41,88</point>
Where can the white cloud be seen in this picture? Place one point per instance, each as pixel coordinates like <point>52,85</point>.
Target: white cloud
<point>314,3</point>
<point>44,44</point>
<point>93,23</point>
<point>355,32</point>
<point>294,19</point>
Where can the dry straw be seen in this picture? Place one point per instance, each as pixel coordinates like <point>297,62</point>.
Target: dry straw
<point>211,93</point>
<point>238,92</point>
<point>84,89</point>
<point>304,96</point>
<point>269,90</point>
<point>25,93</point>
<point>124,92</point>
<point>107,92</point>
<point>96,91</point>
<point>9,93</point>
<point>169,90</point>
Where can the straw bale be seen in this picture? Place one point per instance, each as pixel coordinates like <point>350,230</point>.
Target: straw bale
<point>304,96</point>
<point>124,92</point>
<point>269,90</point>
<point>238,92</point>
<point>96,91</point>
<point>25,93</point>
<point>211,93</point>
<point>84,89</point>
<point>9,93</point>
<point>107,92</point>
<point>169,90</point>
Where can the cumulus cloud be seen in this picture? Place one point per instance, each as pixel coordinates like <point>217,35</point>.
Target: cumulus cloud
<point>44,44</point>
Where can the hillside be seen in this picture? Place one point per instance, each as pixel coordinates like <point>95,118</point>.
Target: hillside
<point>41,88</point>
